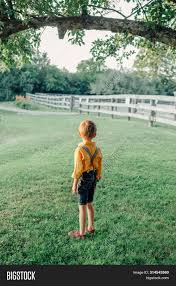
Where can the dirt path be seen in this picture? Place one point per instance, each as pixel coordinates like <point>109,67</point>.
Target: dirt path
<point>31,112</point>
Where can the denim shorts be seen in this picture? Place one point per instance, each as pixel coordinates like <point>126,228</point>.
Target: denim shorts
<point>86,187</point>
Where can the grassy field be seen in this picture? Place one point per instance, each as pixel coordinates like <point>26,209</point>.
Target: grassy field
<point>134,203</point>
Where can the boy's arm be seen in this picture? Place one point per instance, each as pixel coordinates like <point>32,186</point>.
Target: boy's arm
<point>99,170</point>
<point>74,187</point>
<point>99,167</point>
<point>78,168</point>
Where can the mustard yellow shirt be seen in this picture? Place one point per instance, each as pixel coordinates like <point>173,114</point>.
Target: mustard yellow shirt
<point>82,160</point>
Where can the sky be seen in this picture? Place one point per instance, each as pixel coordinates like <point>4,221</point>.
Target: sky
<point>65,55</point>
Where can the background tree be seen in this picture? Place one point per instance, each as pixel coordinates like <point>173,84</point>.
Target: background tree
<point>151,76</point>
<point>41,76</point>
<point>156,62</point>
<point>91,66</point>
<point>89,69</point>
<point>123,82</point>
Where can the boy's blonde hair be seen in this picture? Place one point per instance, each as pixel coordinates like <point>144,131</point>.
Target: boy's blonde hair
<point>87,128</point>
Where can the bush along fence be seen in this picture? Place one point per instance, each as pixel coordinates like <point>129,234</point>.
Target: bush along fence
<point>153,108</point>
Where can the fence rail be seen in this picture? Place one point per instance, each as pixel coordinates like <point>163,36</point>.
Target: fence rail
<point>153,108</point>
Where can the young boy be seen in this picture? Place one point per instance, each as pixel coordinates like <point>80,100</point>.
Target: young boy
<point>87,171</point>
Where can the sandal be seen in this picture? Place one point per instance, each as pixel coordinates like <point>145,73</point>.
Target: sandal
<point>76,234</point>
<point>91,231</point>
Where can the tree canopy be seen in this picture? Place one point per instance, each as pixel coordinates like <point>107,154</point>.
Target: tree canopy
<point>148,23</point>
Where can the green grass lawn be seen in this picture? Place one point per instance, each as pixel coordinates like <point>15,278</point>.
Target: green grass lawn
<point>135,203</point>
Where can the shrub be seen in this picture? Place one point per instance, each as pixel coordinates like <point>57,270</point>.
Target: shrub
<point>25,104</point>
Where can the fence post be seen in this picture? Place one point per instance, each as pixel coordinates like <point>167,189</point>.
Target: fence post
<point>116,101</point>
<point>134,101</point>
<point>112,107</point>
<point>175,106</point>
<point>99,100</point>
<point>63,102</point>
<point>80,105</point>
<point>87,104</point>
<point>55,102</point>
<point>128,101</point>
<point>152,113</point>
<point>71,102</point>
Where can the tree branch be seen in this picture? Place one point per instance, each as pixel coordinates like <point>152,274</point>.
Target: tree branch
<point>152,32</point>
<point>138,9</point>
<point>142,8</point>
<point>34,15</point>
<point>108,9</point>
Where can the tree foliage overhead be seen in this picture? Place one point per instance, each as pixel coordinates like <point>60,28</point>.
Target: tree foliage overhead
<point>150,22</point>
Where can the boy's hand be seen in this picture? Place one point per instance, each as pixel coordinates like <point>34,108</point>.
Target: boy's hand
<point>75,186</point>
<point>98,179</point>
<point>74,189</point>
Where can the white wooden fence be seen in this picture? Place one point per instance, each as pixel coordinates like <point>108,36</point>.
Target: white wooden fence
<point>153,108</point>
<point>53,100</point>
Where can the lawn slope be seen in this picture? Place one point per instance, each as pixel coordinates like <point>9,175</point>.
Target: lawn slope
<point>134,203</point>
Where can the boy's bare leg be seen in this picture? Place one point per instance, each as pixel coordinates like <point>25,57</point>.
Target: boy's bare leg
<point>82,219</point>
<point>90,213</point>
